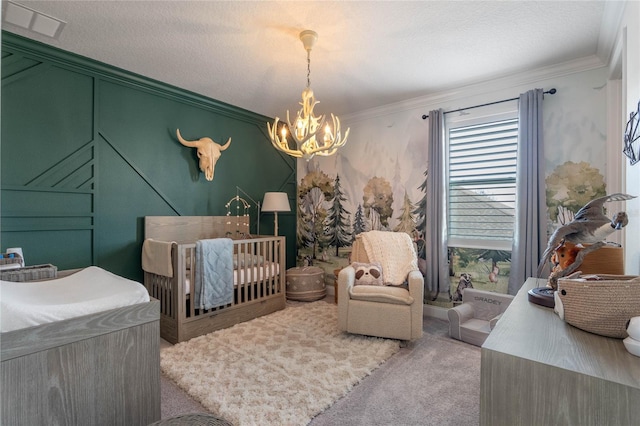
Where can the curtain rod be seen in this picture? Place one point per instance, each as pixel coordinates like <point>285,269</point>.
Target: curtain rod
<point>550,92</point>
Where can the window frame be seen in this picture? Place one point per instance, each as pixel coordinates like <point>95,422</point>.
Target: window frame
<point>506,111</point>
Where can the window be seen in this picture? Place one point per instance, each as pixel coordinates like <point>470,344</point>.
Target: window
<point>482,182</point>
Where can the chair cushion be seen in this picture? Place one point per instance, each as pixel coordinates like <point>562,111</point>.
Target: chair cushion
<point>474,331</point>
<point>368,273</point>
<point>381,294</point>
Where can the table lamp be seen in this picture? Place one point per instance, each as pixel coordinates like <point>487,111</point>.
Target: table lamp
<point>276,202</point>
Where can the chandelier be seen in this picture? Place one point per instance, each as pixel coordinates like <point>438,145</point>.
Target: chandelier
<point>306,130</point>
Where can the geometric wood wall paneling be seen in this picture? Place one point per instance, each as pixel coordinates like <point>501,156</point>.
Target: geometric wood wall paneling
<point>104,144</point>
<point>72,172</point>
<point>16,66</point>
<point>140,173</point>
<point>47,206</point>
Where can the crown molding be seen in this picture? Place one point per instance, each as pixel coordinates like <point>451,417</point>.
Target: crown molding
<point>609,27</point>
<point>31,48</point>
<point>515,80</point>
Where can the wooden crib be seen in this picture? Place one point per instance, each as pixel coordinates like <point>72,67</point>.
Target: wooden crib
<point>259,275</point>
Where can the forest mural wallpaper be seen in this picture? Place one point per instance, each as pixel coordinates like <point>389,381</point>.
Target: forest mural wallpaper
<point>373,186</point>
<point>377,181</point>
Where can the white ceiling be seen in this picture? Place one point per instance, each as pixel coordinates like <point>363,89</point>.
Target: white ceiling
<point>368,54</point>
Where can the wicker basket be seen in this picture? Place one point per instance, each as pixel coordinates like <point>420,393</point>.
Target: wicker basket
<point>600,304</point>
<point>30,273</point>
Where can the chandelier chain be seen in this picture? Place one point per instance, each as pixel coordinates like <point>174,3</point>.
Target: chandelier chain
<point>308,68</point>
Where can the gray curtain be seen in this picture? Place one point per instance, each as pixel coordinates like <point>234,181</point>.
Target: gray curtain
<point>529,239</point>
<point>437,274</point>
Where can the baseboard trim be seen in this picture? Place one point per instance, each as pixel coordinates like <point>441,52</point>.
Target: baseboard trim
<point>436,312</point>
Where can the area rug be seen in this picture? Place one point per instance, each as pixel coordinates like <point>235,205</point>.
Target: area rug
<point>280,369</point>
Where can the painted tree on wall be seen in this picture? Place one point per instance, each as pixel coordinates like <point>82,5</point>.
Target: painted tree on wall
<point>359,222</point>
<point>338,229</point>
<point>572,185</point>
<point>377,200</point>
<point>495,256</point>
<point>303,228</point>
<point>420,212</point>
<point>407,222</point>
<point>314,191</point>
<point>316,214</point>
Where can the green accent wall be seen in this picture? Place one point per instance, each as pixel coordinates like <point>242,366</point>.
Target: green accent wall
<point>89,150</point>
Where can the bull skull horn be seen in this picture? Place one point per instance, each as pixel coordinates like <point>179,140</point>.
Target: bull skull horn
<point>226,145</point>
<point>190,144</point>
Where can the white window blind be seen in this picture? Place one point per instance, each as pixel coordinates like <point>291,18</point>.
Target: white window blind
<point>482,184</point>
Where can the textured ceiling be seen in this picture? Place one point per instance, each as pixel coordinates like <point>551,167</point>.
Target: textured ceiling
<point>368,54</point>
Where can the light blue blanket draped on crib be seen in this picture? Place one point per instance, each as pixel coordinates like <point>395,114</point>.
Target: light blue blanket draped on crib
<point>213,285</point>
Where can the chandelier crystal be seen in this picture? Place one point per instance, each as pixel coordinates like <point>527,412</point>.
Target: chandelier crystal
<point>311,134</point>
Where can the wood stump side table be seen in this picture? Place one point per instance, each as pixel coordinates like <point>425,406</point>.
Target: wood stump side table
<point>305,283</point>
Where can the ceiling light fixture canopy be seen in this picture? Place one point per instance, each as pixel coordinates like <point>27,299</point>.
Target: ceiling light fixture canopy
<point>306,130</point>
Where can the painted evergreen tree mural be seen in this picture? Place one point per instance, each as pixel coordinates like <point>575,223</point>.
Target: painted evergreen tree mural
<point>338,219</point>
<point>359,222</point>
<point>406,219</point>
<point>314,207</point>
<point>303,229</point>
<point>421,218</point>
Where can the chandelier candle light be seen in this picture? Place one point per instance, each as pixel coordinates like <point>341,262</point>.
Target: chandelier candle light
<point>306,129</point>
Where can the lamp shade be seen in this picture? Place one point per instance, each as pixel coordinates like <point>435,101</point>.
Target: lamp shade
<point>276,202</point>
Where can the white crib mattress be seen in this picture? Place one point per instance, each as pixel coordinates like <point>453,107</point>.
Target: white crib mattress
<point>245,275</point>
<point>91,290</point>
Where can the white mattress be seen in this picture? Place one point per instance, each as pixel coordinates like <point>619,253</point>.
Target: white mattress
<point>255,274</point>
<point>91,290</point>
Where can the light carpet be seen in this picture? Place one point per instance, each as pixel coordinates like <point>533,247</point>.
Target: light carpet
<point>280,369</point>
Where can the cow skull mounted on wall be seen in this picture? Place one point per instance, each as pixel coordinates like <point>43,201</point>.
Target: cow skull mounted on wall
<point>208,152</point>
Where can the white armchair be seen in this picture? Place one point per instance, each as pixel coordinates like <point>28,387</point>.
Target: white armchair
<point>393,312</point>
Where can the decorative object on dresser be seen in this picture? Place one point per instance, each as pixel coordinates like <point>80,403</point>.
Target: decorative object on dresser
<point>589,226</point>
<point>16,252</point>
<point>600,304</point>
<point>608,259</point>
<point>11,261</point>
<point>208,152</point>
<point>632,343</point>
<point>30,273</point>
<point>306,283</point>
<point>276,202</point>
<point>473,320</point>
<point>258,275</point>
<point>393,310</point>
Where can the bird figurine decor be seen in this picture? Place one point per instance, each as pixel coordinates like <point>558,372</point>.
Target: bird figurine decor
<point>564,256</point>
<point>590,227</point>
